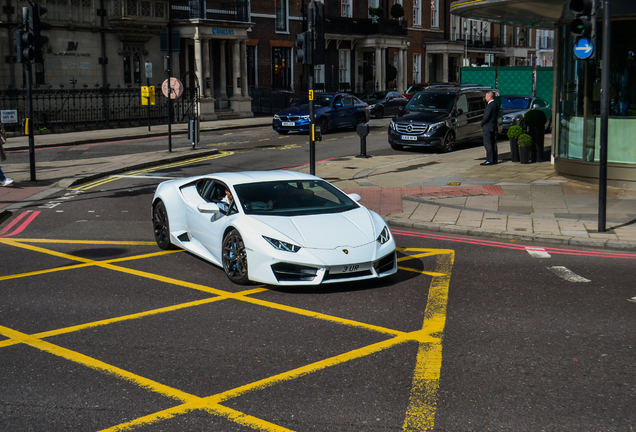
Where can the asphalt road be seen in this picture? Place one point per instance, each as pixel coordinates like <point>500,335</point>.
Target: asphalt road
<point>101,330</point>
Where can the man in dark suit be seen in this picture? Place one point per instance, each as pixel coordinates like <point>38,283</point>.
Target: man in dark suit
<point>489,127</point>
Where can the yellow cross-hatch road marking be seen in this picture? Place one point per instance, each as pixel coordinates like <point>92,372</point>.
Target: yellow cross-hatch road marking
<point>420,413</point>
<point>109,179</point>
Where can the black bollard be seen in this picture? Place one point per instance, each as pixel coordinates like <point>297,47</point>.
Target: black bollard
<point>363,130</point>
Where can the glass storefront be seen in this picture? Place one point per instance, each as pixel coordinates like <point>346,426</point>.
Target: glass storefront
<point>579,98</point>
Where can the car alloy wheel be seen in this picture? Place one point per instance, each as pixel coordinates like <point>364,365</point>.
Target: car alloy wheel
<point>235,258</point>
<point>449,143</point>
<point>323,123</point>
<point>161,226</point>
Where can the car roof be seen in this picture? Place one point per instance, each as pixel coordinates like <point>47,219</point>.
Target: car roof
<point>235,178</point>
<point>457,89</point>
<point>518,96</point>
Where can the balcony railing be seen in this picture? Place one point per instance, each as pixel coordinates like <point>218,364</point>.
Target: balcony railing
<point>545,43</point>
<point>365,26</point>
<point>224,10</point>
<point>138,9</point>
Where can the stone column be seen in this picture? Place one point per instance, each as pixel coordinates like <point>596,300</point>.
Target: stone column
<point>236,67</point>
<point>445,67</point>
<point>378,68</point>
<point>211,67</point>
<point>223,68</point>
<point>383,62</point>
<point>400,72</point>
<point>426,67</point>
<point>244,90</point>
<point>207,82</point>
<point>198,61</point>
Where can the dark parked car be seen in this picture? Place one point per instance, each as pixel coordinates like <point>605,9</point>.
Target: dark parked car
<point>516,106</point>
<point>440,117</point>
<point>383,103</point>
<point>331,110</point>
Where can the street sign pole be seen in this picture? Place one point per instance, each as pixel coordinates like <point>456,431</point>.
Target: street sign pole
<point>605,103</point>
<point>169,90</point>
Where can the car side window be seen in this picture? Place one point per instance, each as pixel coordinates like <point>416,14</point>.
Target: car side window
<point>203,188</point>
<point>347,101</point>
<point>462,103</point>
<point>540,102</point>
<point>337,101</point>
<point>476,102</point>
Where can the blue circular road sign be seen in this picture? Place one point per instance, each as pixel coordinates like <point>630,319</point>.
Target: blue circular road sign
<point>583,48</point>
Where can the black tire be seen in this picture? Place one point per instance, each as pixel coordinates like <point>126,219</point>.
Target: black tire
<point>161,226</point>
<point>282,132</point>
<point>379,113</point>
<point>449,143</point>
<point>235,258</point>
<point>396,146</point>
<point>323,123</point>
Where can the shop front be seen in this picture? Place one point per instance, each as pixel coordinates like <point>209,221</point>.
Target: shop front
<point>577,88</point>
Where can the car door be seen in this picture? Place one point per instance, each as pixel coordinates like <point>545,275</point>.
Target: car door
<point>393,102</point>
<point>476,107</point>
<point>349,110</point>
<point>338,111</point>
<point>208,228</point>
<point>460,121</point>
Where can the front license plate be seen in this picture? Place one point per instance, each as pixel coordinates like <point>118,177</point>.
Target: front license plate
<point>289,124</point>
<point>351,268</point>
<point>408,138</point>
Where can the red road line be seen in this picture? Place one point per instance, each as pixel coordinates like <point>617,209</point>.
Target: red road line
<point>552,250</point>
<point>21,228</point>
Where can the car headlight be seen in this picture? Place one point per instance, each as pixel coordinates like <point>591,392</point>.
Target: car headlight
<point>507,118</point>
<point>432,128</point>
<point>384,236</point>
<point>393,125</point>
<point>281,245</point>
<point>305,117</point>
<point>276,117</point>
<point>371,106</point>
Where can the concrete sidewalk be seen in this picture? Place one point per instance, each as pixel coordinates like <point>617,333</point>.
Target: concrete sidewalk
<point>448,193</point>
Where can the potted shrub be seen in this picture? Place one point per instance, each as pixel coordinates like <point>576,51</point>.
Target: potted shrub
<point>535,121</point>
<point>513,135</point>
<point>525,143</point>
<point>397,11</point>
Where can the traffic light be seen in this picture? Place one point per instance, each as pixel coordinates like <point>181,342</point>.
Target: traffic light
<point>317,18</point>
<point>25,39</point>
<point>583,28</point>
<point>38,26</point>
<point>303,48</point>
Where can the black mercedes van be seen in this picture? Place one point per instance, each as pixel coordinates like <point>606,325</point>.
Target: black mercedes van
<point>441,116</point>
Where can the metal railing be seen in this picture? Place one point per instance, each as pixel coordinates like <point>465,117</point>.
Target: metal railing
<point>63,109</point>
<point>224,10</point>
<point>365,26</point>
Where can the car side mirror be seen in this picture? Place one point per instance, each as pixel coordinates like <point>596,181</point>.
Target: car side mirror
<point>401,109</point>
<point>460,111</point>
<point>355,197</point>
<point>535,106</point>
<point>339,104</point>
<point>208,208</point>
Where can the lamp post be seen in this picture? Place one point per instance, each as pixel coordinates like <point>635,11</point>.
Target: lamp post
<point>465,43</point>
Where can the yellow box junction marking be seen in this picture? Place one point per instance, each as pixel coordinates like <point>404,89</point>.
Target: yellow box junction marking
<point>420,414</point>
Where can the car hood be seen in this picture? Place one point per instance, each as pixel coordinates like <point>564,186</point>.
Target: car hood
<point>421,116</point>
<point>324,231</point>
<point>514,110</point>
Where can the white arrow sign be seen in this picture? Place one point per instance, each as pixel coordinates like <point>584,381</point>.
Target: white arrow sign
<point>587,48</point>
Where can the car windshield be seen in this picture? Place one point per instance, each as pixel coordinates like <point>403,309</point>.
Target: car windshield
<point>430,101</point>
<point>373,95</point>
<point>292,198</point>
<point>515,102</point>
<point>319,101</point>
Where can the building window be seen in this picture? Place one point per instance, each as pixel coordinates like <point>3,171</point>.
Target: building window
<point>281,15</point>
<point>132,64</point>
<point>373,4</point>
<point>252,68</point>
<point>434,13</point>
<point>319,77</point>
<point>344,75</point>
<point>417,12</point>
<point>417,67</point>
<point>345,6</point>
<point>281,68</point>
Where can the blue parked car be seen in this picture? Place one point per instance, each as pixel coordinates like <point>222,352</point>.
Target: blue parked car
<point>332,110</point>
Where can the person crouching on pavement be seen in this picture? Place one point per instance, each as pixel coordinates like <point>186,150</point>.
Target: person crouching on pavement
<point>5,181</point>
<point>489,127</point>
